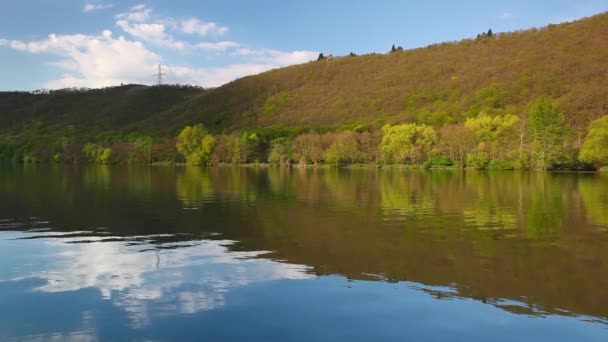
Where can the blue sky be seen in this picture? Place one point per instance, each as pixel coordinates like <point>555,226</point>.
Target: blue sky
<point>95,43</point>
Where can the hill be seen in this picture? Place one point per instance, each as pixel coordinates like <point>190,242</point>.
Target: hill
<point>437,85</point>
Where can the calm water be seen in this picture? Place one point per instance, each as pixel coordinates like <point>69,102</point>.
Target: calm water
<point>157,254</point>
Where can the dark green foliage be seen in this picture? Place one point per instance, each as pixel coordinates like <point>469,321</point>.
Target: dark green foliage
<point>547,127</point>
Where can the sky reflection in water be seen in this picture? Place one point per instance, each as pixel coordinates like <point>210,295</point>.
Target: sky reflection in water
<point>300,257</point>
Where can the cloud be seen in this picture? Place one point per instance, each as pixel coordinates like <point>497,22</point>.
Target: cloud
<point>507,15</point>
<point>146,282</point>
<point>138,23</point>
<point>217,46</point>
<point>154,33</point>
<point>99,61</point>
<point>138,7</point>
<point>94,61</point>
<point>91,6</point>
<point>106,60</point>
<point>137,13</point>
<point>264,60</point>
<point>195,26</point>
<point>276,57</point>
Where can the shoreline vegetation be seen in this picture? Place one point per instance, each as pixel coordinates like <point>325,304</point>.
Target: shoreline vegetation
<point>525,100</point>
<point>539,139</point>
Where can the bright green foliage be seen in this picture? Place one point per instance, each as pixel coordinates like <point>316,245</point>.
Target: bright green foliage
<point>143,149</point>
<point>407,143</point>
<point>106,156</point>
<point>478,160</point>
<point>98,154</point>
<point>280,151</point>
<point>344,149</point>
<point>547,127</point>
<point>595,148</point>
<point>495,136</point>
<point>195,144</point>
<point>488,128</point>
<point>58,157</point>
<point>242,147</point>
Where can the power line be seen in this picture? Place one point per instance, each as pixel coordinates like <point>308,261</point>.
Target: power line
<point>159,75</point>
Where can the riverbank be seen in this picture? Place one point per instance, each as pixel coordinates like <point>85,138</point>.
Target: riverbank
<point>371,166</point>
<point>324,166</point>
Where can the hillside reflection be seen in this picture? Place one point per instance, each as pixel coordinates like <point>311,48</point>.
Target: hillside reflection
<point>529,243</point>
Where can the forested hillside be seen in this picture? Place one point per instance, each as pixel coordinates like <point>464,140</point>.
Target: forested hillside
<point>445,87</point>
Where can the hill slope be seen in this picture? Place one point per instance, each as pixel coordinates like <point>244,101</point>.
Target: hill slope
<point>439,84</point>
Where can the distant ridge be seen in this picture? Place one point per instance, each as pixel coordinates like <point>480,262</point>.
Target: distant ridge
<point>439,84</point>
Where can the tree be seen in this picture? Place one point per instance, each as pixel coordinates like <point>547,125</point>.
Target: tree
<point>407,143</point>
<point>494,135</point>
<point>142,150</point>
<point>106,156</point>
<point>547,128</point>
<point>308,147</point>
<point>280,151</point>
<point>344,150</point>
<point>490,33</point>
<point>595,147</point>
<point>457,141</point>
<point>195,144</point>
<point>393,49</point>
<point>321,57</point>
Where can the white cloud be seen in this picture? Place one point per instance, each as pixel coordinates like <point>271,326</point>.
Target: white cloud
<point>195,26</point>
<point>138,13</point>
<point>276,57</point>
<point>103,60</point>
<point>138,7</point>
<point>217,46</point>
<point>149,283</point>
<point>98,60</point>
<point>154,33</point>
<point>264,60</point>
<point>506,15</point>
<point>91,6</point>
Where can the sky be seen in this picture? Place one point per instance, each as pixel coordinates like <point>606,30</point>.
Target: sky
<point>50,44</point>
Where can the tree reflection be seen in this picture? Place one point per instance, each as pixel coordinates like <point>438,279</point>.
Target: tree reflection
<point>594,191</point>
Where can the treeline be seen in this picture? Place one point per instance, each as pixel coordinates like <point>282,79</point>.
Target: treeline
<point>539,139</point>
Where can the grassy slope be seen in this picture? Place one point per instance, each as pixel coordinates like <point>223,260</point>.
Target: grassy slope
<point>438,84</point>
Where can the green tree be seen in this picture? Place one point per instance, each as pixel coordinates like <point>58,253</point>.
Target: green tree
<point>106,156</point>
<point>280,151</point>
<point>195,144</point>
<point>407,143</point>
<point>495,135</point>
<point>143,149</point>
<point>595,148</point>
<point>98,154</point>
<point>547,128</point>
<point>344,150</point>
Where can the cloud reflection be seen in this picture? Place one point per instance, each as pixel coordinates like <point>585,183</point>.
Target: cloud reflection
<point>146,281</point>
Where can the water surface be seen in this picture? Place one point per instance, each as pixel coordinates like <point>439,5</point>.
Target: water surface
<point>162,253</point>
